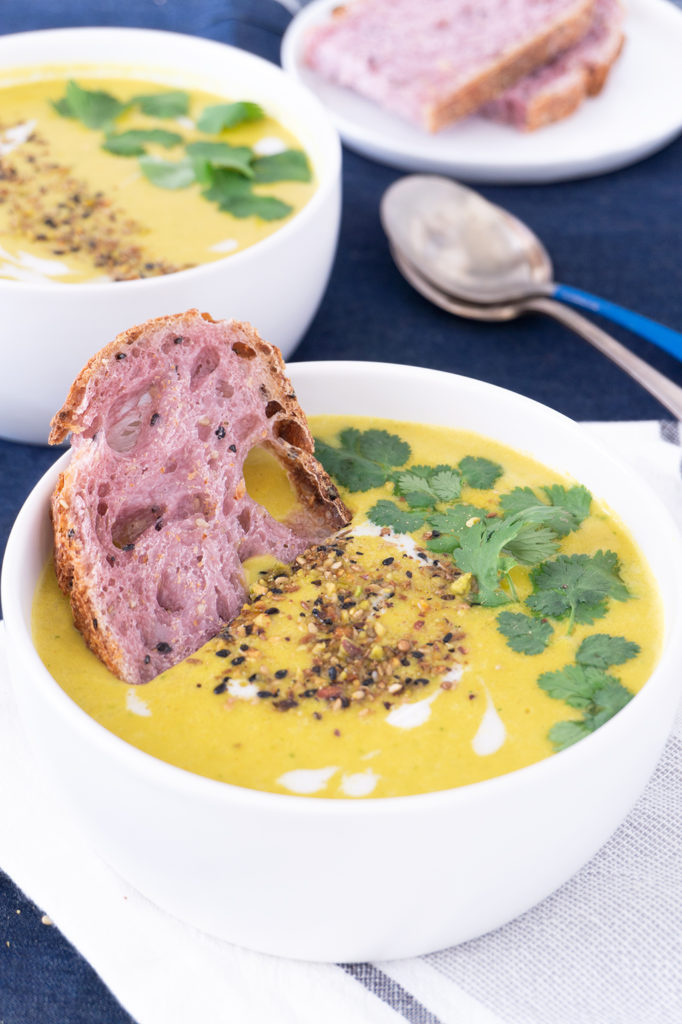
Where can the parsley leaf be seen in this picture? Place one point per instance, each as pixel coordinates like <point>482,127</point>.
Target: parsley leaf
<point>524,634</point>
<point>222,154</point>
<point>132,143</point>
<point>577,586</point>
<point>387,513</point>
<point>602,650</point>
<point>289,165</point>
<point>163,104</point>
<point>92,108</point>
<point>364,459</point>
<point>233,194</point>
<point>170,174</point>
<point>479,473</point>
<point>425,486</point>
<point>215,118</point>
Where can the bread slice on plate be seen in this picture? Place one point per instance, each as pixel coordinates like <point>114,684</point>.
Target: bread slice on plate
<point>436,61</point>
<point>557,90</point>
<point>151,517</point>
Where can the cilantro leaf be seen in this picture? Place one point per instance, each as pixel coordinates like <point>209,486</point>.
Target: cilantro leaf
<point>479,473</point>
<point>425,486</point>
<point>233,194</point>
<point>576,500</point>
<point>170,174</point>
<point>518,500</point>
<point>577,685</point>
<point>387,513</point>
<point>364,459</point>
<point>577,586</point>
<point>289,165</point>
<point>565,734</point>
<point>602,650</point>
<point>219,116</point>
<point>532,544</point>
<point>132,143</point>
<point>222,154</point>
<point>480,553</point>
<point>174,103</point>
<point>454,519</point>
<point>524,634</point>
<point>92,108</point>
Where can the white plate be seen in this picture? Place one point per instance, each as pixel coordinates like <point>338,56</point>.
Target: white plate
<point>638,112</point>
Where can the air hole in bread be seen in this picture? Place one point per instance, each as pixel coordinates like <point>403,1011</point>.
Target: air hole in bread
<point>245,425</point>
<point>243,351</point>
<point>125,421</point>
<point>224,389</point>
<point>244,518</point>
<point>292,432</point>
<point>171,591</point>
<point>205,364</point>
<point>203,429</point>
<point>199,505</point>
<point>104,489</point>
<point>131,523</point>
<point>102,508</point>
<point>171,466</point>
<point>223,606</point>
<point>273,407</point>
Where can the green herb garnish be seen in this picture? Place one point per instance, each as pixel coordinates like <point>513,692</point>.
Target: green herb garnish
<point>290,165</point>
<point>525,635</point>
<point>601,650</point>
<point>170,174</point>
<point>364,459</point>
<point>598,695</point>
<point>425,486</point>
<point>481,474</point>
<point>222,155</point>
<point>572,505</point>
<point>163,104</point>
<point>94,109</point>
<point>216,118</point>
<point>577,587</point>
<point>233,194</point>
<point>133,142</point>
<point>387,513</point>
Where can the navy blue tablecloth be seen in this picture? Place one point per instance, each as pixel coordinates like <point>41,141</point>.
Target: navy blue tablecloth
<point>616,235</point>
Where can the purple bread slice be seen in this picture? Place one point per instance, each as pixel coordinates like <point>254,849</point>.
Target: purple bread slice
<point>436,61</point>
<point>557,90</point>
<point>151,517</point>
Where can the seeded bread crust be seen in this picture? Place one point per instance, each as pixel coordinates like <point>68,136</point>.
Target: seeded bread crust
<point>78,560</point>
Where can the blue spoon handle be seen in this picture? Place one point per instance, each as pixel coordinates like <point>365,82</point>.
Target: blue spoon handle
<point>662,336</point>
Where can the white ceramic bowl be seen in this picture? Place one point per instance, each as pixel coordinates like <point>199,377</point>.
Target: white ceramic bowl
<point>52,329</point>
<point>376,878</point>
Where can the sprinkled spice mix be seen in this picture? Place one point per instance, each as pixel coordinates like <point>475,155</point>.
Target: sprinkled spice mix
<point>332,629</point>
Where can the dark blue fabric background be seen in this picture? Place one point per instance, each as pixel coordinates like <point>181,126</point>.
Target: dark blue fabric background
<point>617,236</point>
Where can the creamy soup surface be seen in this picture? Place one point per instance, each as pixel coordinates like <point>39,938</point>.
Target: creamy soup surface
<point>73,211</point>
<point>379,672</point>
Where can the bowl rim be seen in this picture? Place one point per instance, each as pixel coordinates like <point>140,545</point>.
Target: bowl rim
<point>181,780</point>
<point>326,185</point>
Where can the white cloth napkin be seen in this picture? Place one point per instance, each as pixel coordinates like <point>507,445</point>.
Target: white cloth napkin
<point>605,949</point>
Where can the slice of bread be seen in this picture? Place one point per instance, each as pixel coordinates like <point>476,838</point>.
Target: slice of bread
<point>436,61</point>
<point>151,517</point>
<point>558,89</point>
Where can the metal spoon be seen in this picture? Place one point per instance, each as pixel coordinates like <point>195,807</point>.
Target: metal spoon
<point>658,385</point>
<point>478,252</point>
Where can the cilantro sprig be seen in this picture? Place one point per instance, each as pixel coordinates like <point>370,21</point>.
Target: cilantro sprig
<point>363,459</point>
<point>577,587</point>
<point>226,173</point>
<point>588,687</point>
<point>525,634</point>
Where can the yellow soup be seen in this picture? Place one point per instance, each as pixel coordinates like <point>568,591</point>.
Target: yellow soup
<point>383,663</point>
<point>178,189</point>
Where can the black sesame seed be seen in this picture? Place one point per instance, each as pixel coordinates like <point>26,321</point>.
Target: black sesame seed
<point>418,655</point>
<point>388,561</point>
<point>220,432</point>
<point>272,611</point>
<point>408,574</point>
<point>163,647</point>
<point>368,681</point>
<point>154,419</point>
<point>421,681</point>
<point>276,590</point>
<point>71,534</point>
<point>310,693</point>
<point>345,702</point>
<point>243,647</point>
<point>280,673</point>
<point>331,672</point>
<point>221,687</point>
<point>178,341</point>
<point>222,653</point>
<point>265,693</point>
<point>435,533</point>
<point>420,554</point>
<point>232,448</point>
<point>158,525</point>
<point>328,622</point>
<point>128,547</point>
<point>238,660</point>
<point>253,677</point>
<point>121,355</point>
<point>317,715</point>
<point>94,623</point>
<point>447,638</point>
<point>404,661</point>
<point>147,659</point>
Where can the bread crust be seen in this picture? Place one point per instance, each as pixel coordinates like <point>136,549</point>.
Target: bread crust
<point>290,441</point>
<point>511,67</point>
